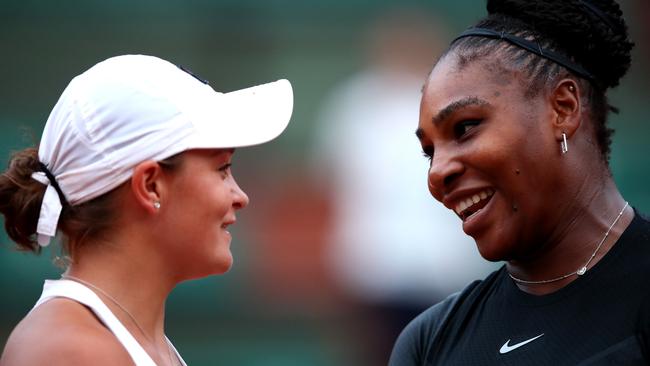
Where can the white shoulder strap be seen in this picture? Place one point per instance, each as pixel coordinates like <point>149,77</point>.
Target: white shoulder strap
<point>82,294</point>
<point>178,355</point>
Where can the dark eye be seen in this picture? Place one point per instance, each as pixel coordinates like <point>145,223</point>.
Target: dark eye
<point>463,127</point>
<point>427,151</point>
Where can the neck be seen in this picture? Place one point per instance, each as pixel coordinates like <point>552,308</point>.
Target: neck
<point>578,228</point>
<point>134,283</point>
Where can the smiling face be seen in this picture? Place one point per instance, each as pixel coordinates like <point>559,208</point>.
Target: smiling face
<point>200,205</point>
<point>493,152</point>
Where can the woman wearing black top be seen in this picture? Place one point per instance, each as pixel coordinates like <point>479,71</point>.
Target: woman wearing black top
<point>513,119</point>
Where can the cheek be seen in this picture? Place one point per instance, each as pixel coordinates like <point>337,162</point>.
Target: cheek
<point>219,198</point>
<point>492,155</point>
<point>200,208</point>
<point>514,147</point>
<point>501,158</point>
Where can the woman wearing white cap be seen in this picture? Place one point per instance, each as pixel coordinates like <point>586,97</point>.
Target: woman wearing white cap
<point>133,169</point>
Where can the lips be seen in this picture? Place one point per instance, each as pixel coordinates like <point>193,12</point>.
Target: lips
<point>470,205</point>
<point>227,223</point>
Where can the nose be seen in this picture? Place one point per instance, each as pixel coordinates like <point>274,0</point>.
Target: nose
<point>443,173</point>
<point>240,199</point>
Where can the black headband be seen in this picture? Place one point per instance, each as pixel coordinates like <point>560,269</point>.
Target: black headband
<point>53,183</point>
<point>530,46</point>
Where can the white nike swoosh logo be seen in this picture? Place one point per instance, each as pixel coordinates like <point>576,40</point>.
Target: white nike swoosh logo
<point>507,348</point>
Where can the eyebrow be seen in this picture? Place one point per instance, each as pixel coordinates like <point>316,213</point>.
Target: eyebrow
<point>218,151</point>
<point>452,107</point>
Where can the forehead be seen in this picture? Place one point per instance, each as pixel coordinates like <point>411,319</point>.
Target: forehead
<point>454,78</point>
<point>205,156</point>
<point>210,153</point>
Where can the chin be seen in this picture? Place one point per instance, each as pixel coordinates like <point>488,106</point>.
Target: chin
<point>493,251</point>
<point>223,265</point>
<point>218,266</point>
<point>223,269</point>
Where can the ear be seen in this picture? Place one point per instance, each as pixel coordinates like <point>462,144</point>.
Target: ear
<point>565,101</point>
<point>147,185</point>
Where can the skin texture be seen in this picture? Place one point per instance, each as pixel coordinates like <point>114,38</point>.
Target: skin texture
<point>483,132</point>
<point>147,253</point>
<point>80,338</point>
<point>200,245</point>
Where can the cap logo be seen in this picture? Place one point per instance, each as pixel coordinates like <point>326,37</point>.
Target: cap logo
<point>193,74</point>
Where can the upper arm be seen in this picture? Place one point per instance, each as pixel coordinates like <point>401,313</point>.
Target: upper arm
<point>412,345</point>
<point>56,335</point>
<point>407,350</point>
<point>418,339</point>
<point>65,347</point>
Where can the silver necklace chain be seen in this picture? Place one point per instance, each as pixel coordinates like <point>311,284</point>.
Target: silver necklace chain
<point>76,279</point>
<point>582,270</point>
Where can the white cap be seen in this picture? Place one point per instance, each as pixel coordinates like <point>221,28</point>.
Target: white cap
<point>132,108</point>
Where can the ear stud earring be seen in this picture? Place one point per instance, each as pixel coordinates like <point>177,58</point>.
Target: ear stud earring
<point>564,146</point>
<point>572,88</point>
<point>156,205</point>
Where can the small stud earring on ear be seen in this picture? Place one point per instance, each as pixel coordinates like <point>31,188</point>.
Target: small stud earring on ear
<point>156,205</point>
<point>564,146</point>
<point>572,88</point>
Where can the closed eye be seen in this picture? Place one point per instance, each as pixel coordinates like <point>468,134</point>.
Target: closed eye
<point>225,169</point>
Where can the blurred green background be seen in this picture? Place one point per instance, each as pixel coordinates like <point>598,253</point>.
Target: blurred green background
<point>249,316</point>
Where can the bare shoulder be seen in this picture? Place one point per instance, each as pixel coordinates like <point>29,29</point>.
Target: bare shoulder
<point>63,332</point>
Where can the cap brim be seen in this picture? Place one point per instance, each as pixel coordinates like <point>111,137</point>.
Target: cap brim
<point>246,117</point>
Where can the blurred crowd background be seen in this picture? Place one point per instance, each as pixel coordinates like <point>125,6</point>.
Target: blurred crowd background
<point>341,244</point>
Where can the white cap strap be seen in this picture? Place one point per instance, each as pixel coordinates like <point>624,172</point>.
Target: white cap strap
<point>51,207</point>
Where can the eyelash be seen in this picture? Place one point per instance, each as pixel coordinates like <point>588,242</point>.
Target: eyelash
<point>427,152</point>
<point>461,128</point>
<point>225,169</point>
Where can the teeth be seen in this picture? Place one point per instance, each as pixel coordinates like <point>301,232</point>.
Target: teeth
<point>461,207</point>
<point>464,204</point>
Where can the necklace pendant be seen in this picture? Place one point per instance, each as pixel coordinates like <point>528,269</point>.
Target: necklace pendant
<point>582,271</point>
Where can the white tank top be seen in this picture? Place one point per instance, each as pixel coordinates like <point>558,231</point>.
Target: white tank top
<point>83,295</point>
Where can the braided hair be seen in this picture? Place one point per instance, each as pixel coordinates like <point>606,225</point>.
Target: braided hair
<point>590,34</point>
